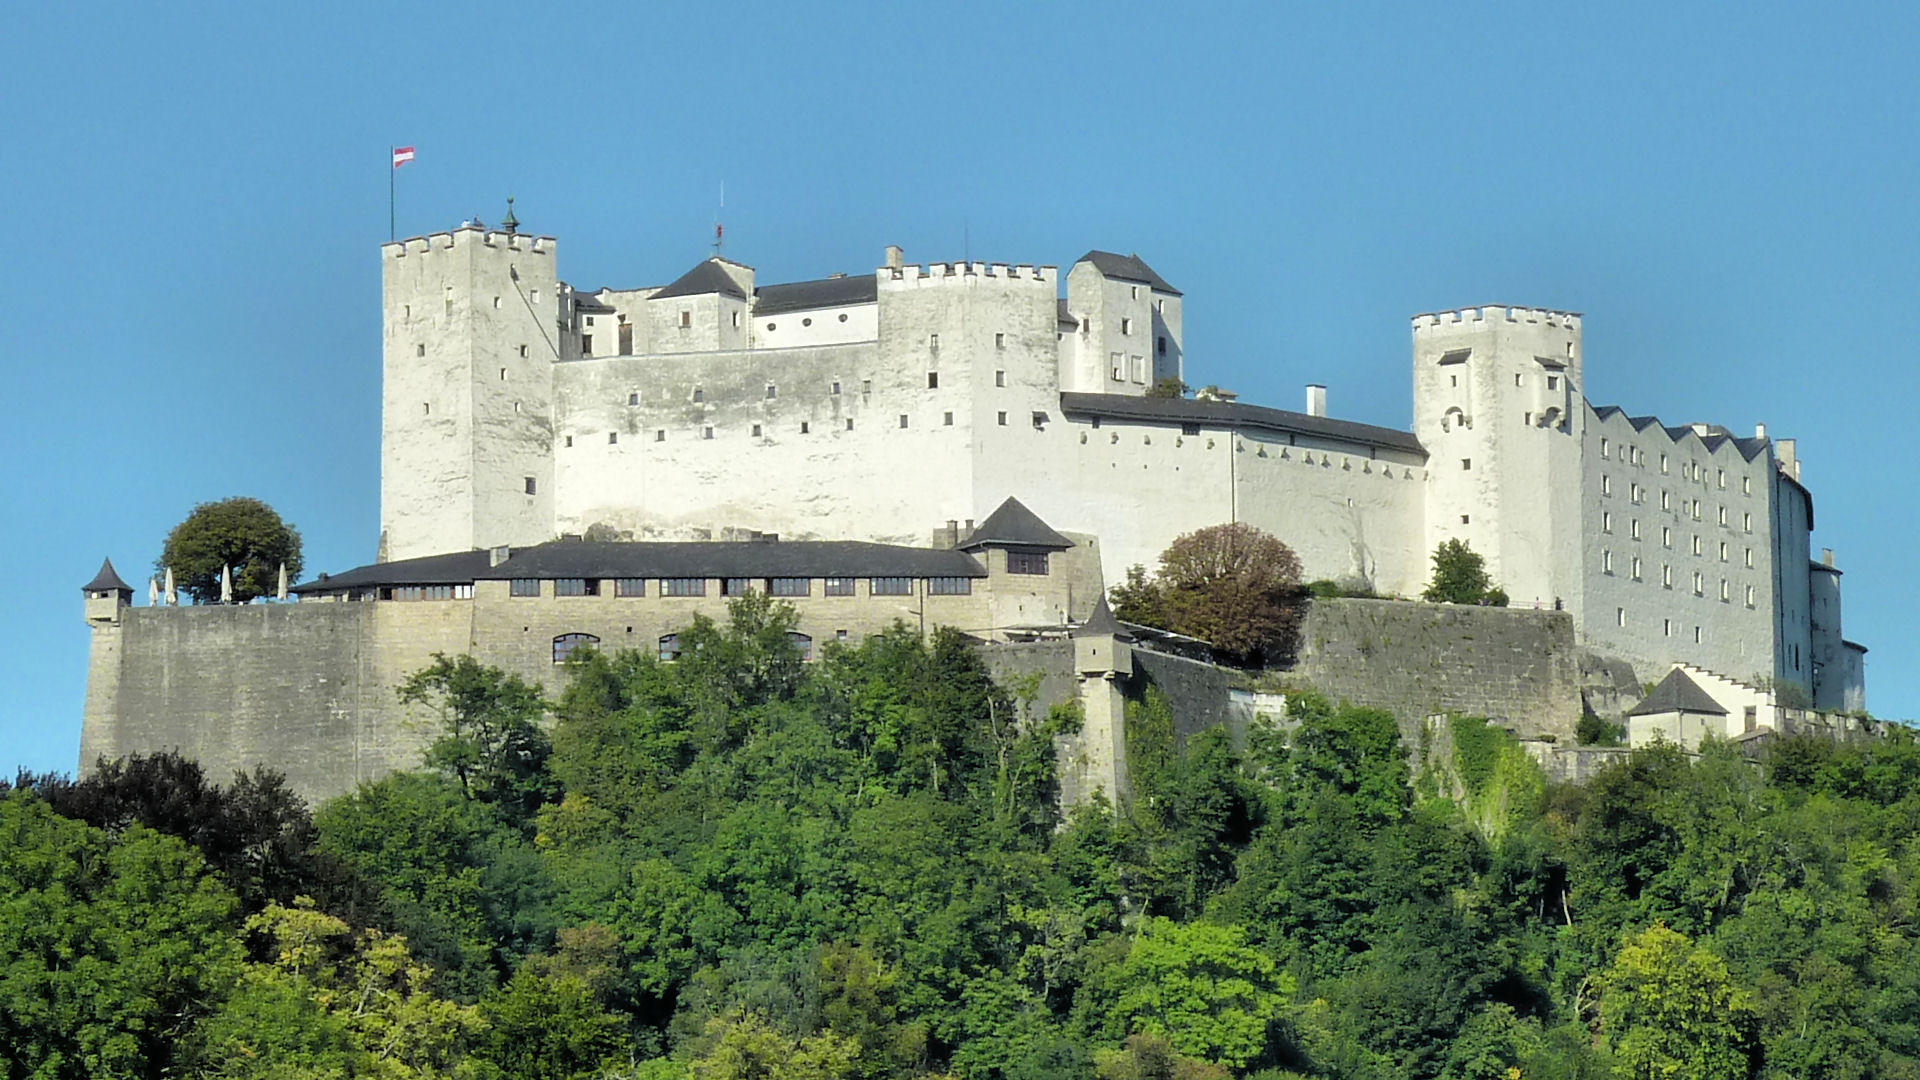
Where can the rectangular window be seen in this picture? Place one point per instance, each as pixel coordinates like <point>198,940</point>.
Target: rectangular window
<point>1723,479</point>
<point>1603,439</point>
<point>1003,419</point>
<point>933,380</point>
<point>949,586</point>
<point>772,391</point>
<point>1699,584</point>
<point>1126,327</point>
<point>1026,562</point>
<point>839,586</point>
<point>706,433</point>
<point>1663,464</point>
<point>933,342</point>
<point>947,419</point>
<point>1726,591</point>
<point>612,437</point>
<point>1606,521</point>
<point>790,586</point>
<point>1749,558</point>
<point>1666,575</point>
<point>1746,485</point>
<point>1723,551</point>
<point>803,427</point>
<point>1723,516</point>
<point>686,319</point>
<point>1696,635</point>
<point>999,378</point>
<point>890,586</point>
<point>1746,522</point>
<point>1620,616</point>
<point>633,399</point>
<point>1666,537</point>
<point>683,586</point>
<point>699,395</point>
<point>736,586</point>
<point>1749,596</point>
<point>836,389</point>
<point>1553,382</point>
<point>756,431</point>
<point>1666,627</point>
<point>1633,492</point>
<point>1636,568</point>
<point>1606,562</point>
<point>1633,528</point>
<point>573,586</point>
<point>530,486</point>
<point>630,586</point>
<point>1696,545</point>
<point>1466,463</point>
<point>903,419</point>
<point>1117,363</point>
<point>999,341</point>
<point>1606,485</point>
<point>660,435</point>
<point>525,587</point>
<point>586,344</point>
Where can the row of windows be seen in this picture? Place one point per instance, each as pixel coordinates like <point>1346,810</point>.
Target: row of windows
<point>1666,537</point>
<point>1668,628</point>
<point>1689,508</point>
<point>779,586</point>
<point>566,645</point>
<point>833,389</point>
<point>1689,470</point>
<point>1666,578</point>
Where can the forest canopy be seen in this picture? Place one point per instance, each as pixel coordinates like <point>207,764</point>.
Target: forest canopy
<point>736,865</point>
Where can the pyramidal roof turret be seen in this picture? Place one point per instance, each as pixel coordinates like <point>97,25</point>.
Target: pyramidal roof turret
<point>106,580</point>
<point>1102,624</point>
<point>1013,525</point>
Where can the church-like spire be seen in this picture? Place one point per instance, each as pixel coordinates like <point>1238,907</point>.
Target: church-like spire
<point>510,223</point>
<point>107,580</point>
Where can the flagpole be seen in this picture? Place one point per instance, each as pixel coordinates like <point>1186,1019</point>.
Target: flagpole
<point>390,171</point>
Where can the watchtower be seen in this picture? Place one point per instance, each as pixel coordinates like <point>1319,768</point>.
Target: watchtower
<point>107,599</point>
<point>1498,405</point>
<point>471,330</point>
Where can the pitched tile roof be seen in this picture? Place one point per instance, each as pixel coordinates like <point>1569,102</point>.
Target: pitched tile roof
<point>702,280</point>
<point>1013,525</point>
<point>1102,624</point>
<point>1127,268</point>
<point>1234,414</point>
<point>694,559</point>
<point>809,295</point>
<point>1678,693</point>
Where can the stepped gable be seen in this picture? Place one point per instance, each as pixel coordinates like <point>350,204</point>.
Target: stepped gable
<point>1102,624</point>
<point>702,280</point>
<point>1228,414</point>
<point>1127,268</point>
<point>107,580</point>
<point>1715,437</point>
<point>1677,694</point>
<point>1013,525</point>
<point>842,291</point>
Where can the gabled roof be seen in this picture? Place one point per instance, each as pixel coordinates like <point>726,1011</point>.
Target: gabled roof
<point>702,280</point>
<point>1102,624</point>
<point>1066,317</point>
<point>1715,437</point>
<point>1013,525</point>
<point>106,580</point>
<point>808,295</point>
<point>1678,693</point>
<point>693,559</point>
<point>1225,414</point>
<point>1127,268</point>
<point>590,303</point>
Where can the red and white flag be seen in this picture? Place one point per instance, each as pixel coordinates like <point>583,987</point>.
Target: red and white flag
<point>402,155</point>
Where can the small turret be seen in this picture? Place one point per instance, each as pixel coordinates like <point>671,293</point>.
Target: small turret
<point>107,596</point>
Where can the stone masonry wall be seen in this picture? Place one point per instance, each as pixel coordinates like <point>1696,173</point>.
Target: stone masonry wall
<point>1518,667</point>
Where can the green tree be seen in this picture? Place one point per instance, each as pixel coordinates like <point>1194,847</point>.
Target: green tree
<point>1460,577</point>
<point>746,1046</point>
<point>1234,586</point>
<point>547,1026</point>
<point>241,533</point>
<point>1670,1011</point>
<point>490,738</point>
<point>1203,989</point>
<point>1139,599</point>
<point>110,951</point>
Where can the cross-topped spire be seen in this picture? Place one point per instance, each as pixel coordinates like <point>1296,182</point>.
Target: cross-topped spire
<point>510,223</point>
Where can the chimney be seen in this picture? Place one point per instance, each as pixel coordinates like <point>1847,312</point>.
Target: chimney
<point>498,555</point>
<point>1826,557</point>
<point>894,256</point>
<point>1783,453</point>
<point>1759,431</point>
<point>1316,400</point>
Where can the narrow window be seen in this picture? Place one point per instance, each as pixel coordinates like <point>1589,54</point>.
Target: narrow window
<point>686,320</point>
<point>1723,551</point>
<point>660,435</point>
<point>1606,521</point>
<point>699,395</point>
<point>999,341</point>
<point>1126,327</point>
<point>1553,382</point>
<point>1666,575</point>
<point>1726,591</point>
<point>947,419</point>
<point>803,427</point>
<point>1633,528</point>
<point>756,431</point>
<point>1666,537</point>
<point>1464,518</point>
<point>933,380</point>
<point>933,342</point>
<point>999,378</point>
<point>772,392</point>
<point>569,442</point>
<point>1516,382</point>
<point>586,344</point>
<point>866,386</point>
<point>1466,463</point>
<point>1620,616</point>
<point>1636,568</point>
<point>1663,464</point>
<point>1606,485</point>
<point>1746,522</point>
<point>503,374</point>
<point>426,408</point>
<point>419,350</point>
<point>1746,485</point>
<point>633,398</point>
<point>612,437</point>
<point>849,423</point>
<point>1749,596</point>
<point>1696,635</point>
<point>530,485</point>
<point>1606,562</point>
<point>706,433</point>
<point>1160,346</point>
<point>836,389</point>
<point>903,419</point>
<point>524,352</point>
<point>1749,558</point>
<point>1003,419</point>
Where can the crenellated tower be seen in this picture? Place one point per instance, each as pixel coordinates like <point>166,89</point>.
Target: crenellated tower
<point>471,331</point>
<point>1498,405</point>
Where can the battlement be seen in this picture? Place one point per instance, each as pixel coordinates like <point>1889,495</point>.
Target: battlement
<point>1495,313</point>
<point>916,274</point>
<point>468,234</point>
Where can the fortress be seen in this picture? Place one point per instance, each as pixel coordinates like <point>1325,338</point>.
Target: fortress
<point>835,441</point>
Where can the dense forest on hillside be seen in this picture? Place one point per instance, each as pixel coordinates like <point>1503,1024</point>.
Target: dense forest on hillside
<point>740,866</point>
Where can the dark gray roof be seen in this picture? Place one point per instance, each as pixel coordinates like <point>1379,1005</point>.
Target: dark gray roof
<point>1823,568</point>
<point>697,559</point>
<point>1013,525</point>
<point>1102,623</point>
<point>106,580</point>
<point>708,277</point>
<point>1127,268</point>
<point>1715,437</point>
<point>1065,316</point>
<point>809,295</point>
<point>1678,693</point>
<point>1233,414</point>
<point>590,304</point>
<point>1853,645</point>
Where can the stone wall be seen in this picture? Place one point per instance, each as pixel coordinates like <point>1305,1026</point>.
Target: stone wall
<point>1517,667</point>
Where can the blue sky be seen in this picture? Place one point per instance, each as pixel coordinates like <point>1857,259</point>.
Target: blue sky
<point>189,300</point>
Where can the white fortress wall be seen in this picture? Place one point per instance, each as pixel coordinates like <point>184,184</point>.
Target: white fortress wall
<point>1668,581</point>
<point>840,325</point>
<point>470,335</point>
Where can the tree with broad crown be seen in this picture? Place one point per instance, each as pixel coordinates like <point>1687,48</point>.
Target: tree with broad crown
<point>245,534</point>
<point>1670,1011</point>
<point>1234,586</point>
<point>1460,577</point>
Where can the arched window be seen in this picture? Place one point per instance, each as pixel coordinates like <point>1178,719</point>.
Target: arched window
<point>1453,418</point>
<point>1550,418</point>
<point>565,644</point>
<point>670,647</point>
<point>802,644</point>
